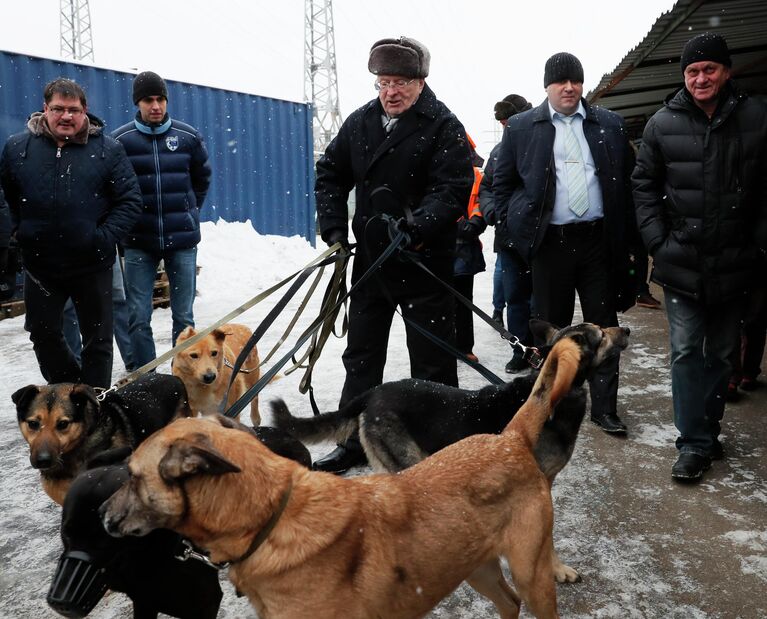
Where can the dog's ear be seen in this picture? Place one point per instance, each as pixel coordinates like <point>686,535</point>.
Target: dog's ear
<point>84,399</point>
<point>219,334</point>
<point>23,397</point>
<point>544,331</point>
<point>193,455</point>
<point>186,334</point>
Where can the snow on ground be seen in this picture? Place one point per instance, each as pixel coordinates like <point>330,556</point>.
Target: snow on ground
<point>645,547</point>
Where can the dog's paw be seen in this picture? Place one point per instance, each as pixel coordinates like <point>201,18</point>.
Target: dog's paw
<point>564,573</point>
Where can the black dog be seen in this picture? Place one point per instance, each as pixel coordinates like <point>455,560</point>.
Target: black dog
<point>66,425</point>
<point>401,423</point>
<point>144,568</point>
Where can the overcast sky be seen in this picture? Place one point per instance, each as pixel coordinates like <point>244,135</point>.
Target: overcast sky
<point>482,50</point>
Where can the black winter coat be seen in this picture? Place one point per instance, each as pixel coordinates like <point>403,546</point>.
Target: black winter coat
<point>171,163</point>
<point>700,189</point>
<point>423,165</point>
<point>524,185</point>
<point>488,205</point>
<point>70,206</point>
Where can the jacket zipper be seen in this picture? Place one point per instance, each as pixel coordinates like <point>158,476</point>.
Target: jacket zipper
<point>158,187</point>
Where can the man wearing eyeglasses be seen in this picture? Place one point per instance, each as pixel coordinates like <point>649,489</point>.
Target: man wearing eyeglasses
<point>406,155</point>
<point>73,196</point>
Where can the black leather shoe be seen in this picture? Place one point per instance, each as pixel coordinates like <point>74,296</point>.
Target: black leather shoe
<point>689,467</point>
<point>517,364</point>
<point>340,460</point>
<point>609,423</point>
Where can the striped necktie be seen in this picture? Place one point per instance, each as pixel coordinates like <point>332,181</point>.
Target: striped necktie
<point>576,171</point>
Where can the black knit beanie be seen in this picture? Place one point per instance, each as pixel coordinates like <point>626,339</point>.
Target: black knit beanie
<point>148,84</point>
<point>706,46</point>
<point>510,105</point>
<point>404,56</point>
<point>561,67</point>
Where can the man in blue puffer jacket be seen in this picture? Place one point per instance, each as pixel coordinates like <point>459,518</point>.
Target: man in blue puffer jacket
<point>171,162</point>
<point>73,196</point>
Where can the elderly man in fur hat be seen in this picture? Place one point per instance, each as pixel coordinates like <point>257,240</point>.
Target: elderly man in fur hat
<point>406,156</point>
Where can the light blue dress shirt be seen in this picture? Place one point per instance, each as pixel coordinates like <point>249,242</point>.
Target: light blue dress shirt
<point>562,214</point>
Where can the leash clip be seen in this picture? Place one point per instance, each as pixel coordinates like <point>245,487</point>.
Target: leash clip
<point>102,393</point>
<point>532,356</point>
<point>188,552</point>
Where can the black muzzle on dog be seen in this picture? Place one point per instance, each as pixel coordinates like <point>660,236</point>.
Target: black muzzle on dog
<point>77,585</point>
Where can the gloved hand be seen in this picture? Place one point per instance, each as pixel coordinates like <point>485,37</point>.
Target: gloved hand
<point>411,238</point>
<point>3,259</point>
<point>337,235</point>
<point>468,230</point>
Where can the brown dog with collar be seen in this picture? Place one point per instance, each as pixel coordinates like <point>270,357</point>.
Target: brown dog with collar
<point>206,369</point>
<point>386,545</point>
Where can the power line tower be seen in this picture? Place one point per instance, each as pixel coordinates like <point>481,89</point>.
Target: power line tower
<point>320,77</point>
<point>76,38</point>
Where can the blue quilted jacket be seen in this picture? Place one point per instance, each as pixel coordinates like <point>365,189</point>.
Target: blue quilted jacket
<point>171,163</point>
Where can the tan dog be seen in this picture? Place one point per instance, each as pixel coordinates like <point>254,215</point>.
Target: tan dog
<point>206,369</point>
<point>310,544</point>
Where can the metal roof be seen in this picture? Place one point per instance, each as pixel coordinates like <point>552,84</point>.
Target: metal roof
<point>650,72</point>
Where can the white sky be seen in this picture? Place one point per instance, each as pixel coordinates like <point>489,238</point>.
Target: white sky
<point>481,50</point>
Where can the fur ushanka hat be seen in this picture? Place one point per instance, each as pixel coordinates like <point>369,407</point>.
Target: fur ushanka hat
<point>403,56</point>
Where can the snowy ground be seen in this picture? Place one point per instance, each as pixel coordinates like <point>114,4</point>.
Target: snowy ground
<point>645,546</point>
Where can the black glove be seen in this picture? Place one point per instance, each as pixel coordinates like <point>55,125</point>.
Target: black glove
<point>467,230</point>
<point>3,259</point>
<point>337,235</point>
<point>411,238</point>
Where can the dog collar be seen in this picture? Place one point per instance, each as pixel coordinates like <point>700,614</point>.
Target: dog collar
<point>189,552</point>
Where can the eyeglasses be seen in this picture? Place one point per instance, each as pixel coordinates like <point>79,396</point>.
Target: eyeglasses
<point>395,84</point>
<point>72,111</point>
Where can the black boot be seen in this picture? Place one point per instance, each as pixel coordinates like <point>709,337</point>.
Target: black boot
<point>341,459</point>
<point>689,467</point>
<point>610,423</point>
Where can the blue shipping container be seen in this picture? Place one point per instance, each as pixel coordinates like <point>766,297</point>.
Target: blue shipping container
<point>260,148</point>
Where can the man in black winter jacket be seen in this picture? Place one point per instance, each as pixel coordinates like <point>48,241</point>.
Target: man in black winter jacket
<point>171,162</point>
<point>700,189</point>
<point>562,181</point>
<point>407,156</point>
<point>73,196</point>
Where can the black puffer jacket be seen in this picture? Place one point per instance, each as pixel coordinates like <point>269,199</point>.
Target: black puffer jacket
<point>171,162</point>
<point>5,222</point>
<point>424,164</point>
<point>700,190</point>
<point>70,206</point>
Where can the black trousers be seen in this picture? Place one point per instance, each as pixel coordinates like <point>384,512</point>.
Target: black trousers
<point>572,259</point>
<point>44,300</point>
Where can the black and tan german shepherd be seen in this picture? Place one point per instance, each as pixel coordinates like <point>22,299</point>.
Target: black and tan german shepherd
<point>402,422</point>
<point>65,425</point>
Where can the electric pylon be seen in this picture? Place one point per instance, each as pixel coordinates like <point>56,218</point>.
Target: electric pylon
<point>320,77</point>
<point>76,38</point>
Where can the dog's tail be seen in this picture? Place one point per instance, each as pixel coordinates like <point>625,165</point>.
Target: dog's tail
<point>335,426</point>
<point>554,382</point>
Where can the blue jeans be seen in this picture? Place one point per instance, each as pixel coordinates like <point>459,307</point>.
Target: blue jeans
<point>517,286</point>
<point>703,338</point>
<point>140,273</point>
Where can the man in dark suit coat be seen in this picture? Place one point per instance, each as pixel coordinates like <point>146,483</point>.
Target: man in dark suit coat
<point>563,177</point>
